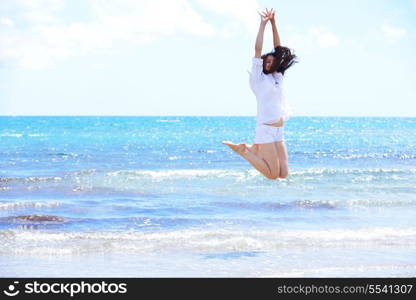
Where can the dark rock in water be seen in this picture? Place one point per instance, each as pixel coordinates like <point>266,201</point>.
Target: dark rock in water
<point>38,218</point>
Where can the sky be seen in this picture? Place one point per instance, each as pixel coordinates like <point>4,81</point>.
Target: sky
<point>191,57</point>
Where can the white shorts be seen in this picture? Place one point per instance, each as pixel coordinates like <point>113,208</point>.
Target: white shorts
<point>268,134</point>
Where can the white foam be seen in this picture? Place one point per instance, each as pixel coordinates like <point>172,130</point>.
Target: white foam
<point>317,171</point>
<point>167,121</point>
<point>358,202</point>
<point>200,241</point>
<point>174,157</point>
<point>12,134</point>
<point>218,173</point>
<point>179,173</point>
<point>21,134</point>
<point>25,204</point>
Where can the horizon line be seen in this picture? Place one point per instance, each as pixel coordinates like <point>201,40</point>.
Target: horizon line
<point>252,116</point>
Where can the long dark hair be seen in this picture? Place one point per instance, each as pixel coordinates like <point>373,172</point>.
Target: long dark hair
<point>284,58</point>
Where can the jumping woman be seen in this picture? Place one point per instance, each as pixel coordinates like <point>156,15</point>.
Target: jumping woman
<point>268,154</point>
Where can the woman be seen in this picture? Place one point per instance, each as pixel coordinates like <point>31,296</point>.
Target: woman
<point>268,154</point>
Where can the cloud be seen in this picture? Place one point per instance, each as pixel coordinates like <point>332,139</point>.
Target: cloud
<point>324,38</point>
<point>41,37</point>
<point>392,32</point>
<point>6,22</point>
<point>239,13</point>
<point>38,33</point>
<point>40,11</point>
<point>314,37</point>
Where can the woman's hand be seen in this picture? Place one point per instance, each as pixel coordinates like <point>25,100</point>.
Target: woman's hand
<point>267,15</point>
<point>271,15</point>
<point>264,16</point>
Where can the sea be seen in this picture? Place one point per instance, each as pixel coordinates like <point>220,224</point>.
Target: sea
<point>160,196</point>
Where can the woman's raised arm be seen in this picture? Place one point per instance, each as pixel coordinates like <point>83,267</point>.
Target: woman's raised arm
<point>276,38</point>
<point>259,40</point>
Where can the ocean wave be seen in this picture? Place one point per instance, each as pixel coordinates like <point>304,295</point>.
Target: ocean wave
<point>43,219</point>
<point>147,182</point>
<point>278,205</point>
<point>332,171</point>
<point>202,241</point>
<point>227,172</point>
<point>132,178</point>
<point>178,174</point>
<point>30,179</point>
<point>319,204</point>
<point>12,134</point>
<point>82,172</point>
<point>173,173</point>
<point>28,204</point>
<point>401,156</point>
<point>156,176</point>
<point>352,154</point>
<point>22,134</point>
<point>167,121</point>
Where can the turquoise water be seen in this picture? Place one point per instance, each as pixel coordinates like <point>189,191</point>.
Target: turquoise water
<point>161,196</point>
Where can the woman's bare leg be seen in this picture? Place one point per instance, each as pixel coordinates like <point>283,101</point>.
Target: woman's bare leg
<point>283,158</point>
<point>263,157</point>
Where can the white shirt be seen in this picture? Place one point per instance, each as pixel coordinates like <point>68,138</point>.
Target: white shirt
<point>268,88</point>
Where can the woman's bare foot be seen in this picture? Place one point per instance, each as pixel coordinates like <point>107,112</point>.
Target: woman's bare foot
<point>252,148</point>
<point>240,148</point>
